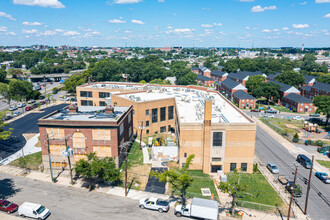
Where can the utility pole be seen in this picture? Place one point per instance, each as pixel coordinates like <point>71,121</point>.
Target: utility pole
<point>45,84</point>
<point>124,149</point>
<point>67,150</point>
<point>293,185</point>
<point>50,160</point>
<point>309,185</point>
<point>141,127</point>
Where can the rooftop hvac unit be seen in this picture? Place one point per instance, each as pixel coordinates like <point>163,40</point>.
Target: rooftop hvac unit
<point>138,99</point>
<point>131,97</point>
<point>149,91</point>
<point>103,85</point>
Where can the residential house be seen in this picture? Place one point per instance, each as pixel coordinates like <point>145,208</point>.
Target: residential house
<point>228,87</point>
<point>204,71</point>
<point>298,103</point>
<point>272,76</point>
<point>320,88</point>
<point>218,76</point>
<point>286,89</point>
<point>243,76</point>
<point>306,91</point>
<point>204,80</point>
<point>244,100</point>
<point>309,80</point>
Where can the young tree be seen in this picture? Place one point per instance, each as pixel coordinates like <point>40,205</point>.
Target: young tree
<point>5,92</point>
<point>4,134</point>
<point>253,82</point>
<point>322,103</point>
<point>234,188</point>
<point>95,168</point>
<point>179,179</point>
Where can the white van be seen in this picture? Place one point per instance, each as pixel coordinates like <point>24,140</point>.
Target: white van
<point>33,210</point>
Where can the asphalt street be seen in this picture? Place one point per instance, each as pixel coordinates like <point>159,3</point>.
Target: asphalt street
<point>269,150</point>
<point>26,124</point>
<point>70,203</point>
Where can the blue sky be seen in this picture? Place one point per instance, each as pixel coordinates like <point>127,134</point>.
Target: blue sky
<point>158,23</point>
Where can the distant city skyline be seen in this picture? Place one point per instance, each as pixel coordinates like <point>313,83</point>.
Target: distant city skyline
<point>158,23</point>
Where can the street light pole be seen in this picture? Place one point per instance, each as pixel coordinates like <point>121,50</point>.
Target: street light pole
<point>125,171</point>
<point>309,185</point>
<point>50,160</point>
<point>141,127</point>
<point>292,192</point>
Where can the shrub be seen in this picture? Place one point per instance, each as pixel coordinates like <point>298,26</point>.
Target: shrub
<point>257,105</point>
<point>319,143</point>
<point>255,168</point>
<point>295,138</point>
<point>309,142</point>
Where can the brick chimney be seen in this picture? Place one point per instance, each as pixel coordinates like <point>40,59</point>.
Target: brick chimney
<point>73,108</point>
<point>207,135</point>
<point>109,109</point>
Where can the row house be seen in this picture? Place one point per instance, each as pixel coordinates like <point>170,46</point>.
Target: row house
<point>298,103</point>
<point>218,76</point>
<point>320,89</point>
<point>286,89</point>
<point>272,76</point>
<point>306,91</point>
<point>309,80</point>
<point>204,80</point>
<point>228,87</point>
<point>243,76</point>
<point>244,100</point>
<point>204,71</point>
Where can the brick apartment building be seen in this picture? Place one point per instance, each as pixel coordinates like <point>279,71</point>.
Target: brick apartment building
<point>298,103</point>
<point>320,89</point>
<point>244,100</point>
<point>286,89</point>
<point>306,92</point>
<point>204,80</point>
<point>309,80</point>
<point>218,76</point>
<point>87,129</point>
<point>243,76</point>
<point>217,132</point>
<point>228,87</point>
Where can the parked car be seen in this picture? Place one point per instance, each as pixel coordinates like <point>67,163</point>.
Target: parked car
<point>7,206</point>
<point>154,204</point>
<point>13,108</point>
<point>33,210</point>
<point>273,168</point>
<point>41,97</point>
<point>31,101</point>
<point>55,91</point>
<point>28,108</point>
<point>270,111</point>
<point>296,117</point>
<point>43,102</point>
<point>323,177</point>
<point>324,149</point>
<point>255,110</point>
<point>199,208</point>
<point>304,160</point>
<point>314,115</point>
<point>297,189</point>
<point>35,105</point>
<point>270,116</point>
<point>21,105</point>
<point>17,114</point>
<point>8,117</point>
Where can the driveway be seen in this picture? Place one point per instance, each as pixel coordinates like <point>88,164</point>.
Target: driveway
<point>154,185</point>
<point>26,124</point>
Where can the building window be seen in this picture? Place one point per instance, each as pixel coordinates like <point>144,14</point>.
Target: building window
<point>101,134</point>
<point>104,94</point>
<point>217,139</point>
<point>121,129</point>
<point>85,94</point>
<point>129,117</point>
<point>147,131</point>
<point>154,115</point>
<point>215,168</point>
<point>232,167</point>
<point>102,103</point>
<point>55,133</point>
<point>86,103</point>
<point>162,129</point>
<point>170,112</point>
<point>243,167</point>
<point>130,131</point>
<point>163,114</point>
<point>102,151</point>
<point>183,164</point>
<point>169,128</point>
<point>147,123</point>
<point>185,155</point>
<point>216,159</point>
<point>147,112</point>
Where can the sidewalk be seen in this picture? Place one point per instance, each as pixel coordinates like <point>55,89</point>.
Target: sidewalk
<point>146,158</point>
<point>294,150</point>
<point>29,148</point>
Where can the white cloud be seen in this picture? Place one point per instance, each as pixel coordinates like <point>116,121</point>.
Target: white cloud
<point>3,29</point>
<point>222,33</point>
<point>327,16</point>
<point>285,28</point>
<point>85,29</point>
<point>137,21</point>
<point>128,32</point>
<point>322,1</point>
<point>258,8</point>
<point>299,26</point>
<point>181,31</point>
<point>10,17</point>
<point>247,28</point>
<point>276,30</point>
<point>70,33</point>
<point>246,0</point>
<point>298,33</point>
<point>26,23</point>
<point>117,21</point>
<point>32,31</point>
<point>162,1</point>
<point>41,3</point>
<point>217,24</point>
<point>303,3</point>
<point>92,34</point>
<point>59,30</point>
<point>266,30</point>
<point>126,1</point>
<point>207,25</point>
<point>169,27</point>
<point>49,33</point>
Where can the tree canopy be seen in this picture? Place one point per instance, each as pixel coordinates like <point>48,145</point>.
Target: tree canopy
<point>291,78</point>
<point>322,103</point>
<point>4,134</point>
<point>324,79</point>
<point>3,75</point>
<point>268,90</point>
<point>253,82</point>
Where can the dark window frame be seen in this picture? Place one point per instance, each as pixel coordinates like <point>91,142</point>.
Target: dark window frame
<point>87,94</point>
<point>244,168</point>
<point>162,113</point>
<point>170,113</point>
<point>232,166</point>
<point>217,141</point>
<point>154,115</point>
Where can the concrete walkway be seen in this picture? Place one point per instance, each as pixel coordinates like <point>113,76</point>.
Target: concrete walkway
<point>29,148</point>
<point>293,149</point>
<point>146,158</point>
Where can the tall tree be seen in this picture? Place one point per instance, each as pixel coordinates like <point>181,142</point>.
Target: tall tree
<point>268,90</point>
<point>5,92</point>
<point>254,81</point>
<point>179,179</point>
<point>3,133</point>
<point>324,79</point>
<point>234,188</point>
<point>291,78</point>
<point>322,103</point>
<point>3,75</point>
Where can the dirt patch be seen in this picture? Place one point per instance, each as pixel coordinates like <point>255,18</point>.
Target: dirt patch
<point>139,175</point>
<point>28,136</point>
<point>291,126</point>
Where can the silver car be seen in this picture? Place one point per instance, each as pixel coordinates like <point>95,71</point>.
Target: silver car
<point>273,168</point>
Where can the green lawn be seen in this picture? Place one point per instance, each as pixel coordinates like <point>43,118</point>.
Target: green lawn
<point>200,180</point>
<point>32,161</point>
<point>259,190</point>
<point>324,163</point>
<point>135,156</point>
